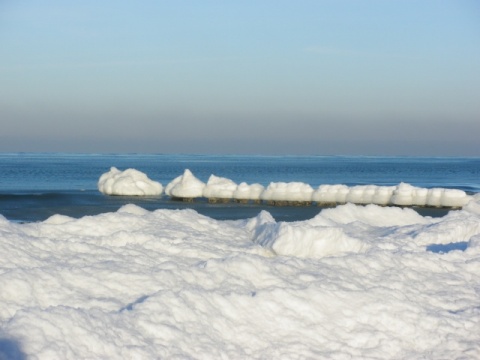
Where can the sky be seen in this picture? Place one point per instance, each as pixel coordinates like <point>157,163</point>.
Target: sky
<point>340,77</point>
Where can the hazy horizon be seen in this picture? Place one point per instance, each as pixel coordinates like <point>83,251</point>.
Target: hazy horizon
<point>307,77</point>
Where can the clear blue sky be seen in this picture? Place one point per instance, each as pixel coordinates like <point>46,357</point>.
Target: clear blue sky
<point>384,77</point>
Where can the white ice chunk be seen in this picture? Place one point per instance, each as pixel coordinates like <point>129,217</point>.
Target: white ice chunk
<point>185,186</point>
<point>326,194</point>
<point>420,198</point>
<point>301,240</point>
<point>130,182</point>
<point>329,194</point>
<point>361,194</point>
<point>372,215</point>
<point>408,195</point>
<point>293,191</point>
<point>341,193</point>
<point>219,187</point>
<point>245,191</point>
<point>434,197</point>
<point>454,198</point>
<point>383,195</point>
<point>403,195</point>
<point>133,182</point>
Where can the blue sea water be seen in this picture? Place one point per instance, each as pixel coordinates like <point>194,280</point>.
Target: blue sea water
<point>34,186</point>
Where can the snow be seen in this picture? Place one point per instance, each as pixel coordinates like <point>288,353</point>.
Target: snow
<point>245,191</point>
<point>293,191</point>
<point>352,282</point>
<point>187,186</point>
<point>331,194</point>
<point>218,187</point>
<point>130,182</point>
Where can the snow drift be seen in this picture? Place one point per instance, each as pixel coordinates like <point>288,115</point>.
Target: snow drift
<point>352,282</point>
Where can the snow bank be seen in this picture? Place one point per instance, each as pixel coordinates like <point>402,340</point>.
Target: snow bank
<point>130,182</point>
<point>352,282</point>
<point>185,186</point>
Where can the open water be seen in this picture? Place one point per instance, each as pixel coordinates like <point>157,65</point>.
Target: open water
<point>34,186</point>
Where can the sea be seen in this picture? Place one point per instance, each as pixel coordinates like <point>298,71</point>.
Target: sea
<point>35,186</point>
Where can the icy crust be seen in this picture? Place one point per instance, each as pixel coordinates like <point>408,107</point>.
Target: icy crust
<point>293,191</point>
<point>245,191</point>
<point>357,282</point>
<point>218,187</point>
<point>187,186</point>
<point>401,195</point>
<point>130,182</point>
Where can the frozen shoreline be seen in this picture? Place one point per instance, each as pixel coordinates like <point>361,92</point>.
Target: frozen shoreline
<point>354,281</point>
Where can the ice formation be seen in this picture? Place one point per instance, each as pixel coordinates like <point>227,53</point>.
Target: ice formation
<point>220,188</point>
<point>331,194</point>
<point>353,282</point>
<point>293,191</point>
<point>129,182</point>
<point>185,186</point>
<point>245,191</point>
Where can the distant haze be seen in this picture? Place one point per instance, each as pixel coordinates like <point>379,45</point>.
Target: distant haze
<point>271,77</point>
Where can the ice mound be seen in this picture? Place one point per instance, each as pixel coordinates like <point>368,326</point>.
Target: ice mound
<point>130,182</point>
<point>406,194</point>
<point>372,215</point>
<point>293,191</point>
<point>245,191</point>
<point>185,186</point>
<point>400,195</point>
<point>361,194</point>
<point>383,195</point>
<point>331,194</point>
<point>220,188</point>
<point>306,241</point>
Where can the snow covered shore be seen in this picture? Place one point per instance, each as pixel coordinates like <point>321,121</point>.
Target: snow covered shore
<point>353,282</point>
<point>188,187</point>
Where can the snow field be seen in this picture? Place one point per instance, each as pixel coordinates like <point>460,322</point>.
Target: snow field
<point>352,282</point>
